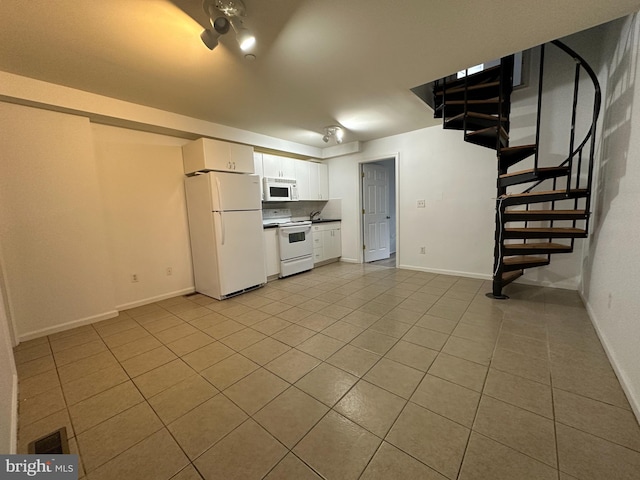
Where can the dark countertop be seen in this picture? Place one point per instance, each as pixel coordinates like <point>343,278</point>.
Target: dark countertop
<point>326,220</point>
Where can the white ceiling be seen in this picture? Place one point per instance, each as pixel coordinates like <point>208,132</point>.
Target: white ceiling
<point>319,62</point>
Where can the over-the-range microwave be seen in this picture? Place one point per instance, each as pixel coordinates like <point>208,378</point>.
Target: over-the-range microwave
<point>280,189</point>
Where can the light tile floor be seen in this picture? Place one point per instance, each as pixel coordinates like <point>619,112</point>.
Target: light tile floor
<point>346,372</point>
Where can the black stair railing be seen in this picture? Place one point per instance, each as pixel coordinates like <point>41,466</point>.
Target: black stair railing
<point>577,153</point>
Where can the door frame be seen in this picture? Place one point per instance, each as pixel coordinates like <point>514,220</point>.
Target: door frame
<point>395,158</point>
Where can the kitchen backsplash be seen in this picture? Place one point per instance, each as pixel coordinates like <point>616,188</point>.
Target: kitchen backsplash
<point>301,210</point>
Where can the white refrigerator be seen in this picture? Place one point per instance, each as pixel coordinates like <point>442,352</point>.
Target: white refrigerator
<point>225,224</point>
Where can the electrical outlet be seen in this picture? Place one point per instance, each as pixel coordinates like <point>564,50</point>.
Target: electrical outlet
<point>423,250</point>
<point>134,278</point>
<point>169,271</point>
<point>421,204</point>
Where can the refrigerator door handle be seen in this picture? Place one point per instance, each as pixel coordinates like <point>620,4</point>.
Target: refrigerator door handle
<point>219,196</point>
<point>222,226</point>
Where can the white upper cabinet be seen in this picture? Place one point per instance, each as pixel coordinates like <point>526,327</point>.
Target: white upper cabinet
<point>302,170</point>
<point>323,181</point>
<point>313,180</point>
<point>206,154</point>
<point>275,166</point>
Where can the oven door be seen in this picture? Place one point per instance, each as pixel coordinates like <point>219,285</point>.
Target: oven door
<point>295,241</point>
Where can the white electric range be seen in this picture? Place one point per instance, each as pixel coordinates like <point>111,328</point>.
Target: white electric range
<point>294,240</point>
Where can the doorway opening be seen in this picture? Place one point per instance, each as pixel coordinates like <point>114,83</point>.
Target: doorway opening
<point>378,218</point>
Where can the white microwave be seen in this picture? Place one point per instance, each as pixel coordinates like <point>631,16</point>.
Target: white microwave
<point>280,189</point>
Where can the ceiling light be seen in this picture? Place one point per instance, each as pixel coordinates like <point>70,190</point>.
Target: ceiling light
<point>333,131</point>
<point>222,14</point>
<point>245,38</point>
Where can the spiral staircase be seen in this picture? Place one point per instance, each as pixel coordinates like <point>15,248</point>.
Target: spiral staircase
<point>540,208</point>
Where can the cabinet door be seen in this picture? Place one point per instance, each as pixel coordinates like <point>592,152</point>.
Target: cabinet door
<point>303,180</point>
<point>332,241</point>
<point>323,181</point>
<point>288,167</point>
<point>318,242</point>
<point>314,192</point>
<point>206,154</point>
<point>272,256</point>
<point>271,166</point>
<point>241,158</point>
<point>336,243</point>
<point>275,166</point>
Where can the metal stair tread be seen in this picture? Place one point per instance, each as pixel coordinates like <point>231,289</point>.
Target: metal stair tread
<point>473,102</point>
<point>545,230</point>
<point>483,116</point>
<point>533,170</point>
<point>508,277</point>
<point>523,260</point>
<point>545,212</point>
<point>488,131</point>
<point>517,148</point>
<point>546,192</point>
<point>536,246</point>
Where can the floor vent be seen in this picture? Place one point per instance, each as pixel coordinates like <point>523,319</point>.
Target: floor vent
<point>53,443</point>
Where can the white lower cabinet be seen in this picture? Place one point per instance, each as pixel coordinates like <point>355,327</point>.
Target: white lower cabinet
<point>272,252</point>
<point>327,242</point>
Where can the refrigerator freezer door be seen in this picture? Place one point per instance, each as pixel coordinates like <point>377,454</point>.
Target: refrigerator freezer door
<point>240,250</point>
<point>232,191</point>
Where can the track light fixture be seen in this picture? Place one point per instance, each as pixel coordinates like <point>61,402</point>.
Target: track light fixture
<point>220,27</point>
<point>225,14</point>
<point>333,131</point>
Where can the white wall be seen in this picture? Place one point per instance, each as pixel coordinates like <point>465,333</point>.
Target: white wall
<point>8,384</point>
<point>142,182</point>
<point>83,207</point>
<point>612,258</point>
<point>52,234</point>
<point>456,179</point>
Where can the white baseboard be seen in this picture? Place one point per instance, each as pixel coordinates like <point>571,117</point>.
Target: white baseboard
<point>563,285</point>
<point>67,326</point>
<point>349,260</point>
<point>146,301</point>
<point>102,316</point>
<point>13,448</point>
<point>632,396</point>
<point>480,276</point>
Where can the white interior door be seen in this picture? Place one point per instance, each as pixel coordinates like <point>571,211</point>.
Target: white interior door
<point>375,199</point>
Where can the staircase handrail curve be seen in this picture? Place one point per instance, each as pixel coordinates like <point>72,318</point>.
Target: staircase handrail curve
<point>596,104</point>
